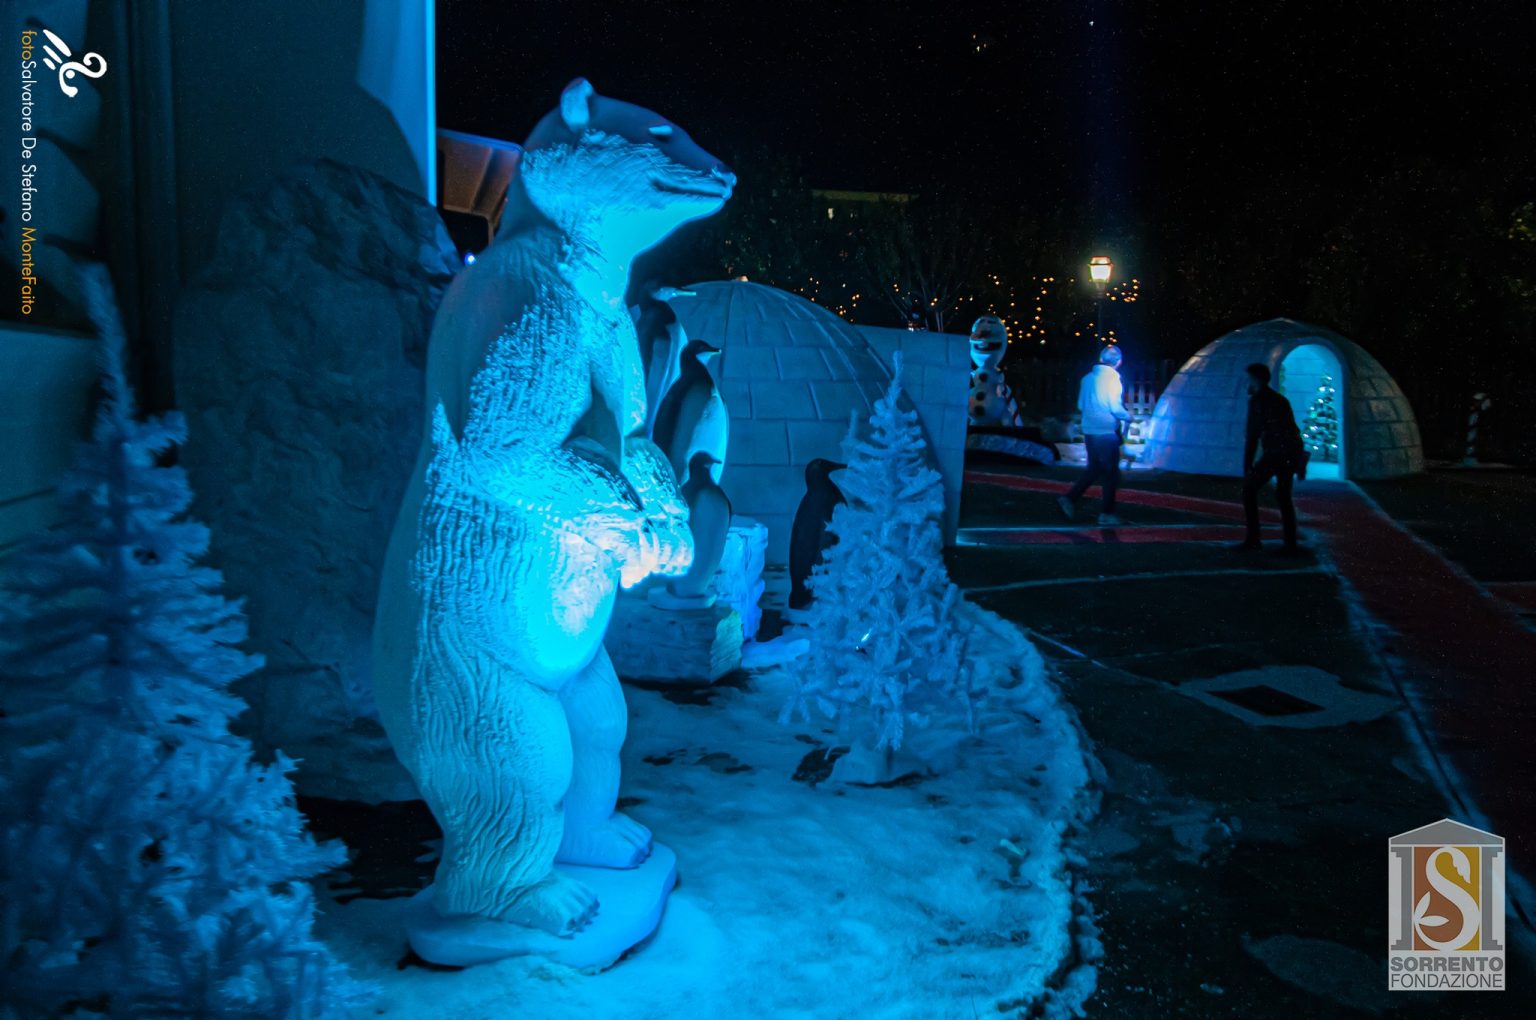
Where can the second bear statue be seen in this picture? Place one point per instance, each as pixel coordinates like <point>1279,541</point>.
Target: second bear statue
<point>534,498</point>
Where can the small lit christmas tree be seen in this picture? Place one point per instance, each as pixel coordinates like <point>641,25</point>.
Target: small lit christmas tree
<point>1321,430</point>
<point>147,866</point>
<point>886,647</point>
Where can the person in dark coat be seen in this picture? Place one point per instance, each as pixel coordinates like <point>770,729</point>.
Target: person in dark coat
<point>1272,426</point>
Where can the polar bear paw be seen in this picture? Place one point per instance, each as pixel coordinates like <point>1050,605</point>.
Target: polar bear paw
<point>619,842</point>
<point>558,904</point>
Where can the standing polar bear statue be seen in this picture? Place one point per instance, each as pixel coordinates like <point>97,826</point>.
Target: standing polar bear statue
<point>534,498</point>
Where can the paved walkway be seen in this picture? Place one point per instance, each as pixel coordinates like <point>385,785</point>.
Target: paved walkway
<point>1128,496</point>
<point>1090,534</point>
<point>1464,659</point>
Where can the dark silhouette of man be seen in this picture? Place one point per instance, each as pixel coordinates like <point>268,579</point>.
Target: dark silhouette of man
<point>1101,399</point>
<point>1272,425</point>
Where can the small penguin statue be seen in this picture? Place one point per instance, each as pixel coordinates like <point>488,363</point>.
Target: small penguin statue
<point>692,416</point>
<point>808,537</point>
<point>709,519</point>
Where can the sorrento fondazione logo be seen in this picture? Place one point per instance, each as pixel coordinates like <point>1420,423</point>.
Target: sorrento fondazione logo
<point>1445,912</point>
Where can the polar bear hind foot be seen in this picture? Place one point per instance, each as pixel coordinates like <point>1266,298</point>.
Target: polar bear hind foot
<point>557,904</point>
<point>617,842</point>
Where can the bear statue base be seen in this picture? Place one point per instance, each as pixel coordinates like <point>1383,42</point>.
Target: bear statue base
<point>680,647</point>
<point>630,904</point>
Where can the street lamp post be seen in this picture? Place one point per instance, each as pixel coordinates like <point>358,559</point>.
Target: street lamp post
<point>1099,270</point>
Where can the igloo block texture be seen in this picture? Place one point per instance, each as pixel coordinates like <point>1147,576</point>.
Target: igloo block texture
<point>1198,425</point>
<point>792,374</point>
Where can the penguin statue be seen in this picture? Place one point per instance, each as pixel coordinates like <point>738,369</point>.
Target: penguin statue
<point>662,340</point>
<point>709,519</point>
<point>808,537</point>
<point>692,416</point>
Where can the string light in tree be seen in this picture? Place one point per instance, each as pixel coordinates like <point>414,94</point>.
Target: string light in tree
<point>1126,292</point>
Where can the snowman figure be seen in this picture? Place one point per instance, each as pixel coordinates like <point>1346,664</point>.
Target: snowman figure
<point>991,401</point>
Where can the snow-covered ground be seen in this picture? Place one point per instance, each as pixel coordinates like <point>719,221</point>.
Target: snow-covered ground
<point>945,896</point>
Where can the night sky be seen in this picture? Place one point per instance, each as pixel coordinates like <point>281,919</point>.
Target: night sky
<point>1132,109</point>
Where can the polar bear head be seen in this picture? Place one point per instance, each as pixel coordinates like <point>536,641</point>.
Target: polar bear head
<point>617,175</point>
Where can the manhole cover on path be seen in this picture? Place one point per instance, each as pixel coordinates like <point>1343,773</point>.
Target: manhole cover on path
<point>1300,697</point>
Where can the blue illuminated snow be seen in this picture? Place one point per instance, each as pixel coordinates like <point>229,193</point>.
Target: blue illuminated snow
<point>937,899</point>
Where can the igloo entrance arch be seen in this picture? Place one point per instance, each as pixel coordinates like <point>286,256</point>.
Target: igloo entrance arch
<point>1311,377</point>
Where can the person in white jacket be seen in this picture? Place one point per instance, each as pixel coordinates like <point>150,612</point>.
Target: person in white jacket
<point>1101,399</point>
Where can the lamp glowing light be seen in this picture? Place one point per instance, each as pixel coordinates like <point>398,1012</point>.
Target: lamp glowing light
<point>1100,268</point>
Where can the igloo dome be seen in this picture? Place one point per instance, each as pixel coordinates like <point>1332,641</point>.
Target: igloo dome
<point>1199,421</point>
<point>790,373</point>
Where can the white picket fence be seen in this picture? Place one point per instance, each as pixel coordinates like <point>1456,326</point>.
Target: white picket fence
<point>1140,399</point>
<point>1141,396</point>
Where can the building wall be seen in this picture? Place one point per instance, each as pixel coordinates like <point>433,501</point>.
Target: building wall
<point>201,102</point>
<point>262,87</point>
<point>47,379</point>
<point>65,146</point>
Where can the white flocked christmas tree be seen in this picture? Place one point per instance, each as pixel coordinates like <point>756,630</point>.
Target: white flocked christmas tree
<point>148,867</point>
<point>887,649</point>
<point>1321,430</point>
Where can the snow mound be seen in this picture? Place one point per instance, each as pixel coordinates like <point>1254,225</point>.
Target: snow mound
<point>945,896</point>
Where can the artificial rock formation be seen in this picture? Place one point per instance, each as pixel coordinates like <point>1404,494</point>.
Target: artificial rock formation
<point>300,350</point>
